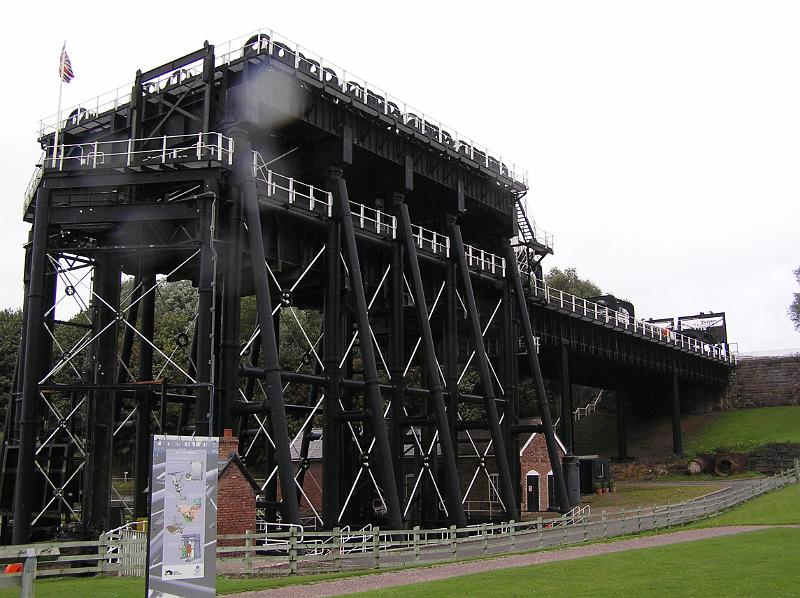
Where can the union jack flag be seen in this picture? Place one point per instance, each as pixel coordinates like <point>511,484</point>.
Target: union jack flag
<point>65,66</point>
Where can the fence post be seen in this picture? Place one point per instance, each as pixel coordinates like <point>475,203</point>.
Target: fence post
<point>622,516</point>
<point>797,470</point>
<point>605,523</point>
<point>485,535</point>
<point>292,550</point>
<point>337,547</point>
<point>248,560</point>
<point>511,540</point>
<point>539,531</point>
<point>416,544</point>
<point>453,542</point>
<point>376,547</point>
<point>639,519</point>
<point>28,574</point>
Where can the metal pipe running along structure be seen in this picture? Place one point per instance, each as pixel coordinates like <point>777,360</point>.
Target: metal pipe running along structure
<point>180,278</point>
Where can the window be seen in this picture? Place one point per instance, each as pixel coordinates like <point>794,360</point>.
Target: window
<point>409,485</point>
<point>494,486</point>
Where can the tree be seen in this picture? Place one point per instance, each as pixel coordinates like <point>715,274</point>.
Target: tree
<point>10,325</point>
<point>794,308</point>
<point>569,281</point>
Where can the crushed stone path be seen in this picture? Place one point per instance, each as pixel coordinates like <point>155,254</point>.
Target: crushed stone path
<point>379,581</point>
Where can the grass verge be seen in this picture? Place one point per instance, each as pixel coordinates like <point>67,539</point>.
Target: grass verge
<point>744,430</point>
<point>759,563</point>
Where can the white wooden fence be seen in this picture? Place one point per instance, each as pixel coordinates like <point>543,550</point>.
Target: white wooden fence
<point>123,551</point>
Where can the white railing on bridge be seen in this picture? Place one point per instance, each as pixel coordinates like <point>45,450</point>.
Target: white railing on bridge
<point>601,313</point>
<point>291,190</point>
<point>33,184</point>
<point>143,151</point>
<point>267,42</point>
<point>483,260</point>
<point>431,241</point>
<point>372,220</point>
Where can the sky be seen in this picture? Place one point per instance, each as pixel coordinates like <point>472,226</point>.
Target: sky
<point>661,139</point>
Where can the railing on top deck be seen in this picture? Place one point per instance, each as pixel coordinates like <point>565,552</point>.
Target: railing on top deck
<point>266,41</point>
<point>144,151</point>
<point>485,261</point>
<point>33,184</point>
<point>600,313</point>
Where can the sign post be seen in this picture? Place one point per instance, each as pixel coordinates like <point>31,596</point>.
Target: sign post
<point>182,530</point>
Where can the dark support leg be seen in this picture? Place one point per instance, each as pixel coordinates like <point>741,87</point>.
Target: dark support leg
<point>331,350</point>
<point>205,319</point>
<point>507,493</point>
<point>536,371</point>
<point>677,441</point>
<point>451,348</point>
<point>453,490</point>
<point>566,400</point>
<point>141,467</point>
<point>127,345</point>
<point>231,333</point>
<point>246,186</point>
<point>622,433</point>
<point>23,485</point>
<point>509,369</point>
<point>396,363</point>
<point>100,412</point>
<point>372,390</point>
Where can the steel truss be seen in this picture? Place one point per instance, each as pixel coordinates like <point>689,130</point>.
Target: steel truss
<point>407,336</point>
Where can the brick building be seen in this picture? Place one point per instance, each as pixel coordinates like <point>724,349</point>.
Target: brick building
<point>236,492</point>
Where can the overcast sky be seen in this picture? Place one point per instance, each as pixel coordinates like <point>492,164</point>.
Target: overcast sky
<point>662,140</point>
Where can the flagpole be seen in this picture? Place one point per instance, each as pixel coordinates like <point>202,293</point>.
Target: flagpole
<point>58,112</point>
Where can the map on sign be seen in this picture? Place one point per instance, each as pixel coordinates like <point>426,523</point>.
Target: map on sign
<point>184,504</point>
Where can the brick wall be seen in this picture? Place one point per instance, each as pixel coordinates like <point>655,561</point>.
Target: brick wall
<point>535,458</point>
<point>236,499</point>
<point>764,382</point>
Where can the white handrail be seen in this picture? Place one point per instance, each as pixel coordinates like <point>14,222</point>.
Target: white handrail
<point>165,149</point>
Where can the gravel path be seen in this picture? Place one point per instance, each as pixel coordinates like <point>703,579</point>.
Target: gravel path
<point>422,574</point>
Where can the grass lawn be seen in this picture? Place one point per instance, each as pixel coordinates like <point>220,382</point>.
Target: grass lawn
<point>746,429</point>
<point>781,507</point>
<point>631,496</point>
<point>762,563</point>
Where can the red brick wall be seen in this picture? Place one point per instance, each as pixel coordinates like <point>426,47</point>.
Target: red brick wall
<point>535,458</point>
<point>236,499</point>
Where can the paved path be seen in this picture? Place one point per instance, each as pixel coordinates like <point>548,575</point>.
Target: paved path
<point>422,574</point>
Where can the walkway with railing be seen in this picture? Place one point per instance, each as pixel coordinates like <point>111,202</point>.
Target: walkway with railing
<point>300,551</point>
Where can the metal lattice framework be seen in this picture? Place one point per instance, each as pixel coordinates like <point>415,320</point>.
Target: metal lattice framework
<point>386,313</point>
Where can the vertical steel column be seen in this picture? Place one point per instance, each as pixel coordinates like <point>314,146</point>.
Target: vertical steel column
<point>231,319</point>
<point>397,360</point>
<point>100,411</point>
<point>453,490</point>
<point>23,485</point>
<point>127,345</point>
<point>566,399</point>
<point>331,354</point>
<point>536,372</point>
<point>509,367</point>
<point>244,182</point>
<point>205,319</point>
<point>141,465</point>
<point>677,441</point>
<point>372,390</point>
<point>622,432</point>
<point>507,493</point>
<point>451,351</point>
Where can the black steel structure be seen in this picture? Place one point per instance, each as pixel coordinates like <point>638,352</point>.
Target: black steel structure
<point>409,243</point>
